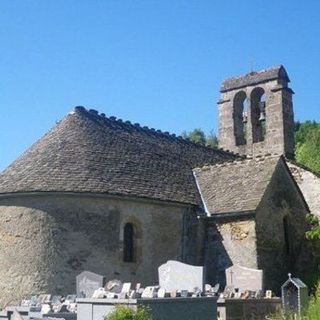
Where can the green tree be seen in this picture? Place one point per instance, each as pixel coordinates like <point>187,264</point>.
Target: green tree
<point>314,232</point>
<point>198,136</point>
<point>303,129</point>
<point>308,146</point>
<point>126,313</point>
<point>212,140</point>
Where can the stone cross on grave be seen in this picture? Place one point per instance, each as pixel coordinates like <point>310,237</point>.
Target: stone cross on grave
<point>231,276</point>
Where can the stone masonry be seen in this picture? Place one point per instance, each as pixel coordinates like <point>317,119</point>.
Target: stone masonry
<point>266,126</point>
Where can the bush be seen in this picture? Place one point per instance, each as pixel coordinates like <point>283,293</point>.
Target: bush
<point>126,313</point>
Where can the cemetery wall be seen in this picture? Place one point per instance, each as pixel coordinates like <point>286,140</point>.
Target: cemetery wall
<point>280,229</point>
<point>47,240</point>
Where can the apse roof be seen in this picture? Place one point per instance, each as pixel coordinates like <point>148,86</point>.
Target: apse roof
<point>87,152</point>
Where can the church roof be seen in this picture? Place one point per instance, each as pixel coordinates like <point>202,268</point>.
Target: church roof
<point>253,78</point>
<point>90,153</point>
<point>236,186</point>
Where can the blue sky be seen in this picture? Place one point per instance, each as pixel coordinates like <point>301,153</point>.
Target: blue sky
<point>159,63</point>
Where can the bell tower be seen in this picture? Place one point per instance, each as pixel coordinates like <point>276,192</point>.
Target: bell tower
<point>256,114</point>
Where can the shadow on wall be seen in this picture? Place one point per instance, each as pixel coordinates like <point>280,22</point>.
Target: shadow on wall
<point>217,259</point>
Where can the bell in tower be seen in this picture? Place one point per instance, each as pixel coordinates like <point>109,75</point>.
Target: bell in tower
<point>267,126</point>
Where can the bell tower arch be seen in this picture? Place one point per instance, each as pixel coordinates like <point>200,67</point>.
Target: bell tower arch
<point>256,114</point>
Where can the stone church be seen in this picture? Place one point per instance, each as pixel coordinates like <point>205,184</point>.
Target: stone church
<point>101,194</point>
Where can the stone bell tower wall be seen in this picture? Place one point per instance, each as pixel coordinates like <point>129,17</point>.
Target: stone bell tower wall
<point>277,134</point>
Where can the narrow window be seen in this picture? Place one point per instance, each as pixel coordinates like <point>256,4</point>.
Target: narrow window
<point>258,114</point>
<point>128,243</point>
<point>286,234</point>
<point>240,118</point>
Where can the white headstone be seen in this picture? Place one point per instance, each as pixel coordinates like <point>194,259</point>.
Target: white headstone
<point>149,292</point>
<point>126,287</point>
<point>244,278</point>
<point>161,293</point>
<point>175,275</point>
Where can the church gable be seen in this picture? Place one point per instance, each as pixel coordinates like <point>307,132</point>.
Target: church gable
<point>236,186</point>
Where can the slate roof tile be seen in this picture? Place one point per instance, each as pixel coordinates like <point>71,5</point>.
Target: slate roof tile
<point>235,186</point>
<point>88,152</point>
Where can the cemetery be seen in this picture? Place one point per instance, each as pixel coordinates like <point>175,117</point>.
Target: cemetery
<point>128,199</point>
<point>180,294</point>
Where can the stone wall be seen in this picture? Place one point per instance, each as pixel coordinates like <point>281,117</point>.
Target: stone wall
<point>279,136</point>
<point>309,184</point>
<point>257,239</point>
<point>229,242</point>
<point>46,240</point>
<point>277,253</point>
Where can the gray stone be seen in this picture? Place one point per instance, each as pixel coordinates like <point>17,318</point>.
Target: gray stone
<point>244,278</point>
<point>149,292</point>
<point>126,287</point>
<point>123,295</point>
<point>111,295</point>
<point>88,282</point>
<point>175,275</point>
<point>184,293</point>
<point>114,285</point>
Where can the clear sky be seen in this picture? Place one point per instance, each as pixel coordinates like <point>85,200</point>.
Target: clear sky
<point>159,63</point>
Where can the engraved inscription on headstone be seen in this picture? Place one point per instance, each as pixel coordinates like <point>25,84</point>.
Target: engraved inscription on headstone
<point>244,278</point>
<point>175,275</point>
<point>88,282</point>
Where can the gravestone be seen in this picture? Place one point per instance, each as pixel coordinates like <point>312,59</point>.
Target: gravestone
<point>88,282</point>
<point>126,287</point>
<point>175,275</point>
<point>149,292</point>
<point>244,278</point>
<point>161,293</point>
<point>114,285</point>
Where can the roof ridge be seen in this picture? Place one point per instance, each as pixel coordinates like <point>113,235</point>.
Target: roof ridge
<point>253,73</point>
<point>138,126</point>
<point>240,160</point>
<point>294,162</point>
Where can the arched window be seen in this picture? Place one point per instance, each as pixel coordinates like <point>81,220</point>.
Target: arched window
<point>240,113</point>
<point>258,114</point>
<point>128,243</point>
